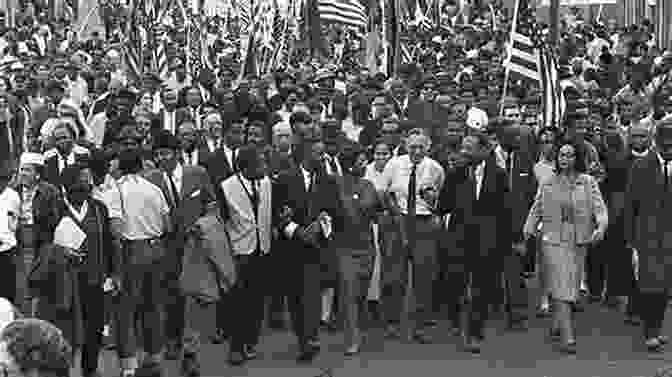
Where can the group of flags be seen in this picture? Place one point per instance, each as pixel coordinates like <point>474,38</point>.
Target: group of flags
<point>529,56</point>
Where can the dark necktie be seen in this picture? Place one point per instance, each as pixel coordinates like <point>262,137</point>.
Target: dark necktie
<point>233,160</point>
<point>255,196</point>
<point>334,167</point>
<point>666,171</point>
<point>509,168</point>
<point>173,190</point>
<point>410,205</point>
<point>255,207</point>
<point>472,177</point>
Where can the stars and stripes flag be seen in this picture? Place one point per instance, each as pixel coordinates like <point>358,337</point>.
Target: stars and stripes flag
<point>523,54</point>
<point>350,13</point>
<point>554,104</point>
<point>634,11</point>
<point>663,24</point>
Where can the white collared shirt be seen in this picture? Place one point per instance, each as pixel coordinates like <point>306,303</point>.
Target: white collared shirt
<point>70,158</point>
<point>479,174</point>
<point>176,175</point>
<point>10,207</point>
<point>228,152</point>
<point>169,123</point>
<point>144,206</point>
<point>330,171</point>
<point>190,159</point>
<point>213,145</point>
<point>397,173</point>
<point>307,178</point>
<point>78,214</point>
<point>664,163</point>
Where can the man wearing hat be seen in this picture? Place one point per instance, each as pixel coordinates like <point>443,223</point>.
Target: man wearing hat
<point>143,233</point>
<point>54,92</point>
<point>37,217</point>
<point>119,114</point>
<point>64,153</point>
<point>334,102</point>
<point>647,229</point>
<point>189,192</point>
<point>178,79</point>
<point>310,214</point>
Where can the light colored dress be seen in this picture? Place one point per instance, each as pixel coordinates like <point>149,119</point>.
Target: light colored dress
<point>569,211</point>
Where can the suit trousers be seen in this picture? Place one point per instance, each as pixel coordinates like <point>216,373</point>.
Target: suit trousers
<point>597,261</point>
<point>651,307</point>
<point>175,303</point>
<point>422,254</point>
<point>248,297</point>
<point>277,292</point>
<point>141,298</point>
<point>483,276</point>
<point>93,318</point>
<point>517,299</point>
<point>304,295</point>
<point>355,269</point>
<point>454,287</point>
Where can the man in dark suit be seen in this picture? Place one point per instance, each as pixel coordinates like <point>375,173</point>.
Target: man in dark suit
<point>334,102</point>
<point>54,92</point>
<point>168,115</point>
<point>65,153</point>
<point>307,211</point>
<point>221,165</point>
<point>519,164</point>
<point>194,152</point>
<point>189,193</point>
<point>479,209</point>
<point>648,226</point>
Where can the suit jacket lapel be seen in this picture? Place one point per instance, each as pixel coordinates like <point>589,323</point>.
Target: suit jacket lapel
<point>244,200</point>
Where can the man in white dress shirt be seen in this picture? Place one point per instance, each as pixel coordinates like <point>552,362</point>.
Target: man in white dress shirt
<point>412,183</point>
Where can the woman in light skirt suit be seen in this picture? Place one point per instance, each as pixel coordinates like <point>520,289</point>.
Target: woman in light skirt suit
<point>573,215</point>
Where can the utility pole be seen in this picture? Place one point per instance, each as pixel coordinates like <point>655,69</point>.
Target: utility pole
<point>555,21</point>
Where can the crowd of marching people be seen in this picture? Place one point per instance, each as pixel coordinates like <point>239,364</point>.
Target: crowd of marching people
<point>313,196</point>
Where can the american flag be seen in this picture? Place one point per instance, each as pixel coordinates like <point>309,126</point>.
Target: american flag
<point>523,54</point>
<point>663,25</point>
<point>134,46</point>
<point>634,11</point>
<point>350,13</point>
<point>554,103</point>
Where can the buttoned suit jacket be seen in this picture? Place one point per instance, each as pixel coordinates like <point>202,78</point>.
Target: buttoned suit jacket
<point>481,225</point>
<point>648,223</point>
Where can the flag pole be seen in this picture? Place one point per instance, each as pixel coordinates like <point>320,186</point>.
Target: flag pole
<point>555,21</point>
<point>507,72</point>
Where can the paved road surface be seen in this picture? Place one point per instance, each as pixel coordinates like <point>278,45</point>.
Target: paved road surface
<point>606,348</point>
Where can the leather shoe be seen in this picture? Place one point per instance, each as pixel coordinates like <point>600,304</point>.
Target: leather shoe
<point>654,345</point>
<point>172,351</point>
<point>308,354</point>
<point>422,337</point>
<point>352,350</point>
<point>149,370</point>
<point>250,352</point>
<point>473,346</point>
<point>237,358</point>
<point>219,337</point>
<point>190,367</point>
<point>392,332</point>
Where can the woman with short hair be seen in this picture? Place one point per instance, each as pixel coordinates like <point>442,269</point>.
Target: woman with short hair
<point>573,215</point>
